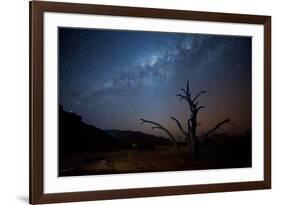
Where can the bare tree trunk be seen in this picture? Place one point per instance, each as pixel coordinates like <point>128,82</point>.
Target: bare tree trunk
<point>192,121</point>
<point>189,141</point>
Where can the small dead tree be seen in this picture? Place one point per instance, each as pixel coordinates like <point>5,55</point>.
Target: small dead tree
<point>190,135</point>
<point>192,123</point>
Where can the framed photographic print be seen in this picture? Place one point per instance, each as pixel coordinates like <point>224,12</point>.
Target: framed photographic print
<point>136,102</point>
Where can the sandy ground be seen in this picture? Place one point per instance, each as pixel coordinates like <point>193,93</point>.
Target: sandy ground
<point>161,158</point>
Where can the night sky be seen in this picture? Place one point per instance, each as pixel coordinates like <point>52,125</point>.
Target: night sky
<point>113,78</point>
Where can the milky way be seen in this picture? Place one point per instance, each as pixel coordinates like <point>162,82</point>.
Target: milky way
<point>114,78</point>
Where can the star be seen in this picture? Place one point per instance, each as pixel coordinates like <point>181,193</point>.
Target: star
<point>114,76</point>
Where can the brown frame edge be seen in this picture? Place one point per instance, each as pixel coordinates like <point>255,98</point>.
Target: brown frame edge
<point>37,8</point>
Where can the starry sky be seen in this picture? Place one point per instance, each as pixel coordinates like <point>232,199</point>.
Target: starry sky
<point>112,78</point>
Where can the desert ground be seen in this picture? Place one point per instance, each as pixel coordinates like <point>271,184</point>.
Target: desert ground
<point>214,153</point>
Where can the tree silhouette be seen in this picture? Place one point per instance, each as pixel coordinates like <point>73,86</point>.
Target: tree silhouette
<point>190,135</point>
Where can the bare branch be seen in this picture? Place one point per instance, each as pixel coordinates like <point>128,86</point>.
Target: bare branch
<point>200,93</point>
<point>158,126</point>
<point>184,90</point>
<point>151,122</point>
<point>181,96</point>
<point>179,125</point>
<point>200,107</point>
<point>216,127</point>
<point>155,128</point>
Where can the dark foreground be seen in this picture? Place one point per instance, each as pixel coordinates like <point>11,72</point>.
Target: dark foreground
<point>213,153</point>
<point>87,150</point>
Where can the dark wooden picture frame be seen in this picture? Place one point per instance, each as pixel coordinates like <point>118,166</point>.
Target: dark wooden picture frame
<point>37,8</point>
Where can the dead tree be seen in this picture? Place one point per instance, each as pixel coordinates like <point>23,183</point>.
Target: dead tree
<point>190,135</point>
<point>192,123</point>
<point>192,120</point>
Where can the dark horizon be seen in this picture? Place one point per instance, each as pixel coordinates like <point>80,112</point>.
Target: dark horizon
<point>113,78</point>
